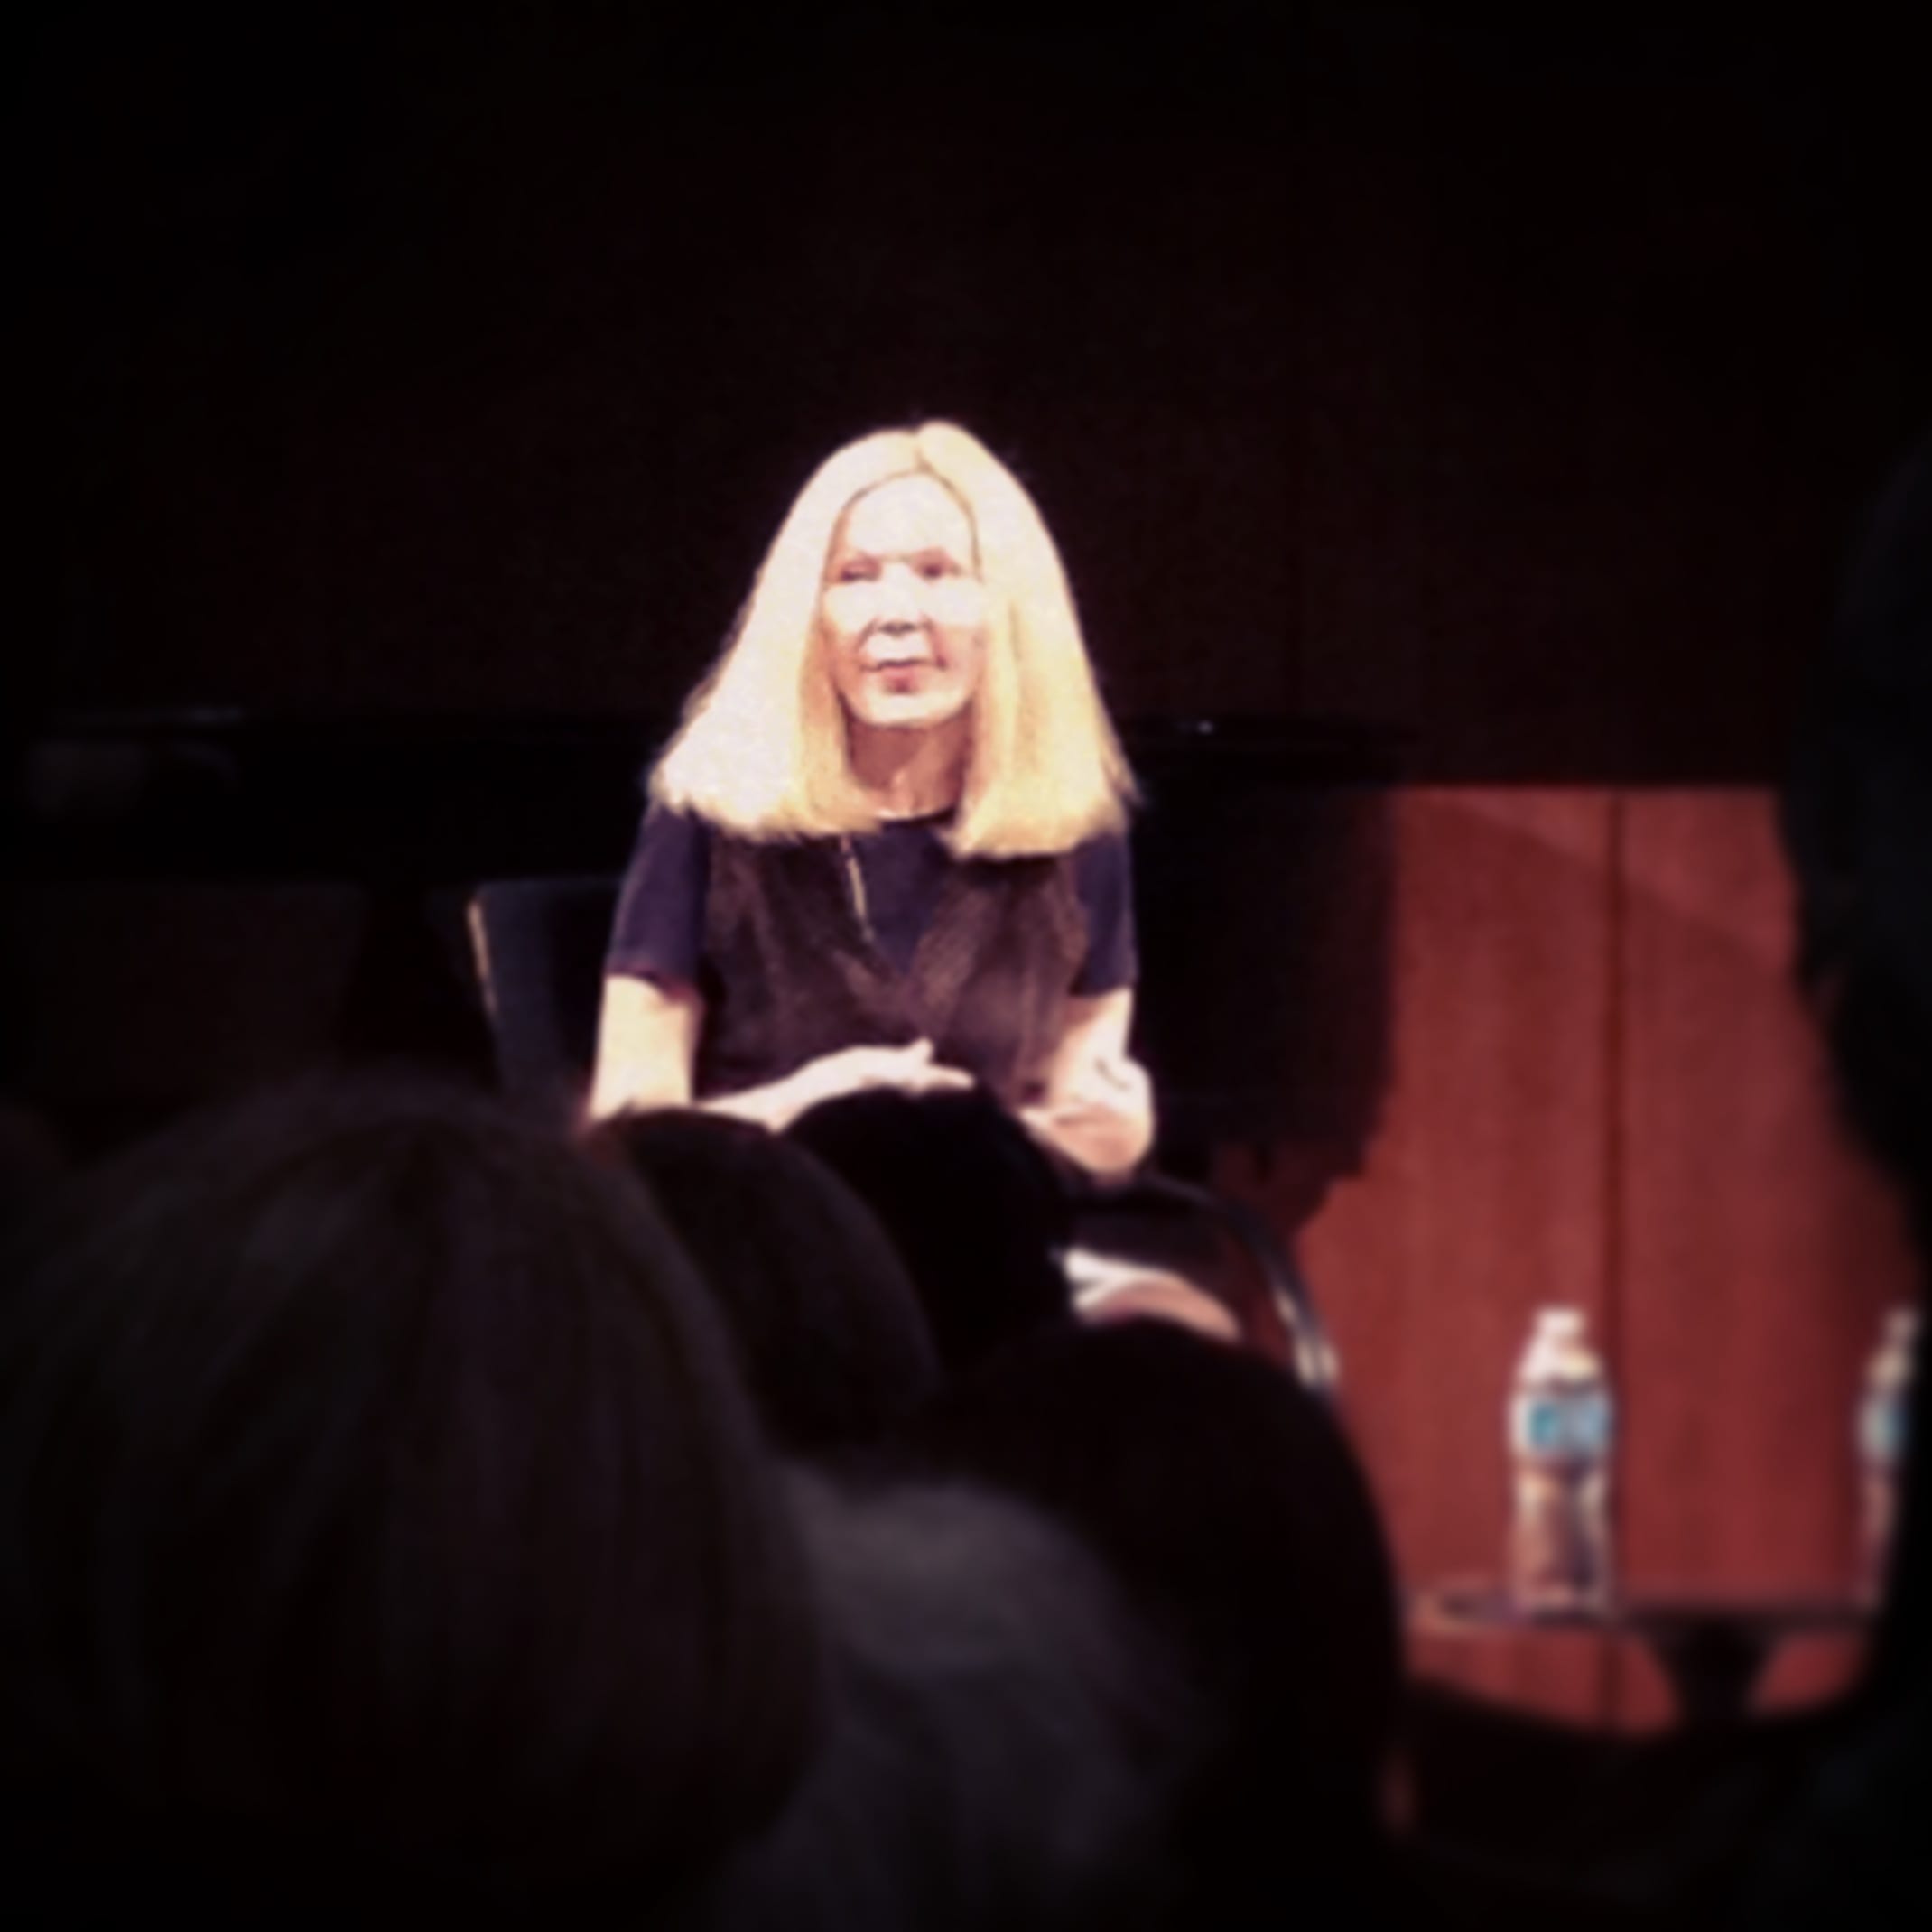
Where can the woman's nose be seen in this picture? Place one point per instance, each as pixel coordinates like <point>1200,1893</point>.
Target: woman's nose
<point>898,595</point>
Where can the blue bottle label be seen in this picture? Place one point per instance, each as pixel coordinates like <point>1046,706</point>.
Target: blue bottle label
<point>1565,1424</point>
<point>1882,1429</point>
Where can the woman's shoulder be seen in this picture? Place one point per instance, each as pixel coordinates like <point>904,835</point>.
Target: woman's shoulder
<point>677,822</point>
<point>687,829</point>
<point>673,835</point>
<point>1111,844</point>
<point>1101,866</point>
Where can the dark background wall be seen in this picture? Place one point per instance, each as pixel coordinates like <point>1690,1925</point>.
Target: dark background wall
<point>1512,388</point>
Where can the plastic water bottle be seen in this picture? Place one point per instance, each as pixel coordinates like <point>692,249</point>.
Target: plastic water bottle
<point>1561,1437</point>
<point>1884,1404</point>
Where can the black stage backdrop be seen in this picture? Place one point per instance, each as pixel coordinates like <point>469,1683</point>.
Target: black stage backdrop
<point>1508,391</point>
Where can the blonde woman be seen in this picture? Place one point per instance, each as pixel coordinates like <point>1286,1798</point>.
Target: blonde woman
<point>888,845</point>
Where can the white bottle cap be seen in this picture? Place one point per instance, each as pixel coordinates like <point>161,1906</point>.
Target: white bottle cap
<point>1561,1323</point>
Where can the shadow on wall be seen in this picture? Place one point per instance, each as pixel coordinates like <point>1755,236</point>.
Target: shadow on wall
<point>1605,1090</point>
<point>1264,1013</point>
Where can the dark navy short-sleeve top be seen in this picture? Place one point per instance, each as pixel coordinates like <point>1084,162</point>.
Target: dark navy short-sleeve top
<point>659,928</point>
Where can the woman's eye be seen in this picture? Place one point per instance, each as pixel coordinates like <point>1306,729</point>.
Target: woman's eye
<point>854,572</point>
<point>933,567</point>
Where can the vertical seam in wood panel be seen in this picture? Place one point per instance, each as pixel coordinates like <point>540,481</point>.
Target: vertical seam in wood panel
<point>1615,1122</point>
<point>1294,656</point>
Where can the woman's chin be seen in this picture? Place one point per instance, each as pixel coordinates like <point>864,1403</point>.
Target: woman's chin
<point>908,710</point>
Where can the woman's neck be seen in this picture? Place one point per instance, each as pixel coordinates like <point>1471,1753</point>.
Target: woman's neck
<point>910,772</point>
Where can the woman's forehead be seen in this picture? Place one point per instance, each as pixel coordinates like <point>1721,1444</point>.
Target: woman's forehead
<point>905,516</point>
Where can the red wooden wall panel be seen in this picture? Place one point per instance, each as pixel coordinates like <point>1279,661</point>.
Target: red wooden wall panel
<point>1758,1248</point>
<point>1604,1090</point>
<point>1482,1193</point>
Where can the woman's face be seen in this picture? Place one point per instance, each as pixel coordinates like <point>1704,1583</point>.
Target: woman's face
<point>904,609</point>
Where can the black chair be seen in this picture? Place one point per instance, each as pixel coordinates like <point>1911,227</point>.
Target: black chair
<point>538,949</point>
<point>538,945</point>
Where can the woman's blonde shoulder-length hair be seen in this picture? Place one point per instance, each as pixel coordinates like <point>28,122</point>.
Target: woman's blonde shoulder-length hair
<point>762,748</point>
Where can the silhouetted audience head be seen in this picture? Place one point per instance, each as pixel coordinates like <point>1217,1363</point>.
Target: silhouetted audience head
<point>973,1205</point>
<point>1007,1741</point>
<point>1858,826</point>
<point>1228,1500</point>
<point>829,1330</point>
<point>381,1518</point>
<point>32,1160</point>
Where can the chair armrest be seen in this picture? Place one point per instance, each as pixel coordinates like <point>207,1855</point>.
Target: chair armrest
<point>1158,1194</point>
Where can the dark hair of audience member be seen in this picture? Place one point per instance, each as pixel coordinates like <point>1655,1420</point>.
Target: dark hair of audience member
<point>829,1332</point>
<point>1857,818</point>
<point>1228,1502</point>
<point>1008,1737</point>
<point>378,1503</point>
<point>975,1209</point>
<point>32,1160</point>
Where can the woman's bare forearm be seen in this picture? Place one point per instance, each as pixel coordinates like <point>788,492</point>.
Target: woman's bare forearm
<point>1108,1142</point>
<point>647,1047</point>
<point>646,1044</point>
<point>774,1105</point>
<point>1098,1106</point>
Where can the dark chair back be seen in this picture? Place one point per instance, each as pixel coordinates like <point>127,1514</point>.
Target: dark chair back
<point>538,946</point>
